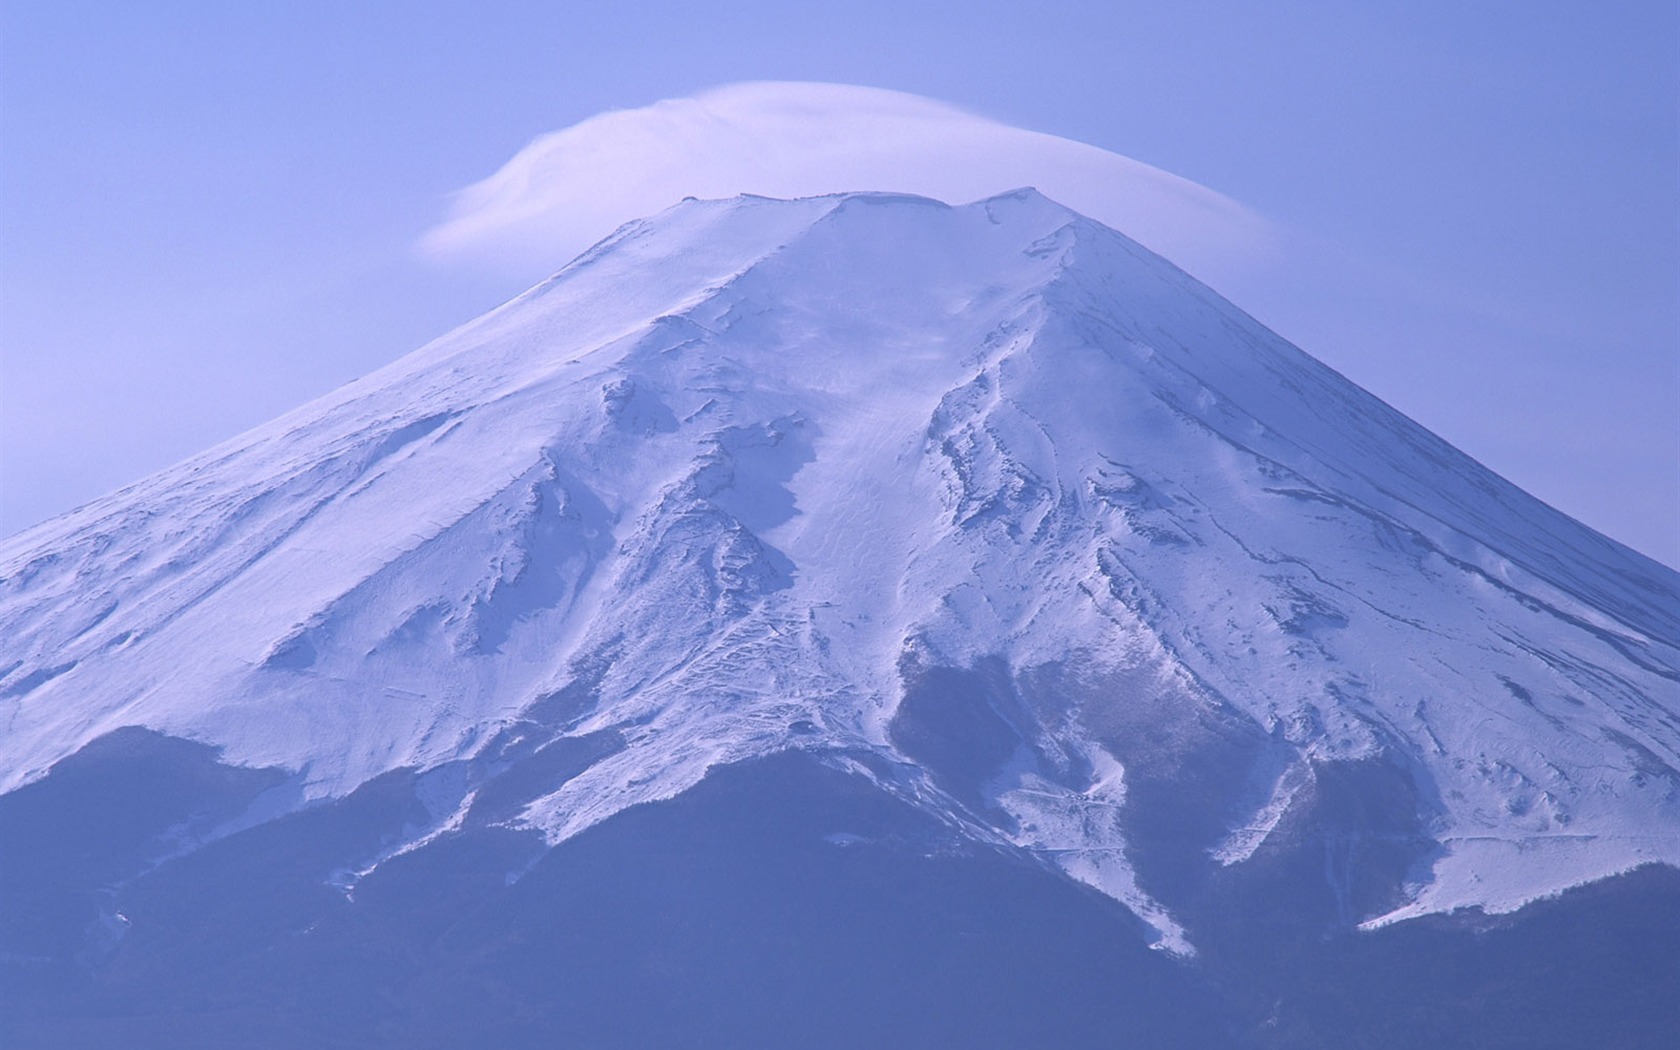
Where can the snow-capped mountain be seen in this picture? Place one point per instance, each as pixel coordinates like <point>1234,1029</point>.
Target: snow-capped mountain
<point>747,474</point>
<point>987,507</point>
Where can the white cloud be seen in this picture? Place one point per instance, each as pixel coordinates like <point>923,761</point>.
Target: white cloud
<point>569,188</point>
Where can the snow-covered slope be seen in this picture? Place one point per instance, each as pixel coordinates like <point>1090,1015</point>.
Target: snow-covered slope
<point>988,504</point>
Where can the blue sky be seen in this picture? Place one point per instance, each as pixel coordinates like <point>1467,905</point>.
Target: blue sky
<point>210,212</point>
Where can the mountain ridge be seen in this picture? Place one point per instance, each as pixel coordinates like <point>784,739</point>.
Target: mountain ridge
<point>968,501</point>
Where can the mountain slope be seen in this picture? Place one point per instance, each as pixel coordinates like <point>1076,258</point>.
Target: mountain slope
<point>987,507</point>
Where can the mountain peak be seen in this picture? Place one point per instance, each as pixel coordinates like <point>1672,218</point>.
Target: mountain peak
<point>985,504</point>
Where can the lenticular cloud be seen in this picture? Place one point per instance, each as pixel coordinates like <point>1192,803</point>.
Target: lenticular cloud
<point>571,187</point>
